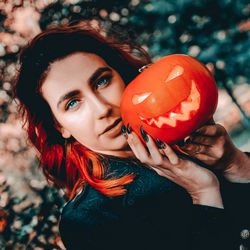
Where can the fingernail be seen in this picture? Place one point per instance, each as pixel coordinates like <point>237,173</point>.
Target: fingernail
<point>187,139</point>
<point>144,134</point>
<point>128,129</point>
<point>124,131</point>
<point>161,144</point>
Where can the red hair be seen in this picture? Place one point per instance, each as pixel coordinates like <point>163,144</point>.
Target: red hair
<point>71,165</point>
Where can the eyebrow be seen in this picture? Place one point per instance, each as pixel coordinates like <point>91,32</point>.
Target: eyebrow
<point>97,73</point>
<point>91,80</point>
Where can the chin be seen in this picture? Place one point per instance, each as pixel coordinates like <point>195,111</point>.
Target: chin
<point>119,143</point>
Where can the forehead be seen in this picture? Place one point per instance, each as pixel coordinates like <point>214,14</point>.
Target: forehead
<point>76,63</point>
<point>69,72</point>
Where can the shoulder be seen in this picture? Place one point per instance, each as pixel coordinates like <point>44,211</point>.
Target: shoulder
<point>84,217</point>
<point>150,203</point>
<point>147,187</point>
<point>88,207</point>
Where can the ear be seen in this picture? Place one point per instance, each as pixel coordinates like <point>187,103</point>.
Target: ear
<point>65,133</point>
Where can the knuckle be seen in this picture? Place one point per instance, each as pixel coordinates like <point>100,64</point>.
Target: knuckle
<point>159,172</point>
<point>178,171</point>
<point>130,140</point>
<point>167,150</point>
<point>158,161</point>
<point>217,152</point>
<point>174,160</point>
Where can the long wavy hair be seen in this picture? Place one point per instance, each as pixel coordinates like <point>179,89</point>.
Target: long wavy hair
<point>69,165</point>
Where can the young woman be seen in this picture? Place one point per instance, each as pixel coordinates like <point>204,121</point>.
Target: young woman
<point>122,195</point>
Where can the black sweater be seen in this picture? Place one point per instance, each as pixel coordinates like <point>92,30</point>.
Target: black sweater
<point>154,213</point>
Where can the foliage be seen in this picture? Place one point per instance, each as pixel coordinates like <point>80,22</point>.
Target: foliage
<point>27,223</point>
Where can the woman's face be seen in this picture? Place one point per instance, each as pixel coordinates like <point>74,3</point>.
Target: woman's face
<point>84,95</point>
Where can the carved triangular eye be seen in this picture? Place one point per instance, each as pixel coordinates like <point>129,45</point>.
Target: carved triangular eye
<point>176,71</point>
<point>140,98</point>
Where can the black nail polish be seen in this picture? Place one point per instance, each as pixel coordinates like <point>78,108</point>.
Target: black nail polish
<point>161,144</point>
<point>144,134</point>
<point>128,129</point>
<point>124,131</point>
<point>188,140</point>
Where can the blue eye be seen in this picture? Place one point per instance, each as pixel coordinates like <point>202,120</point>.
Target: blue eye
<point>103,81</point>
<point>71,104</point>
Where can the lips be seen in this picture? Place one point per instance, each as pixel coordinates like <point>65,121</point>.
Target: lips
<point>112,125</point>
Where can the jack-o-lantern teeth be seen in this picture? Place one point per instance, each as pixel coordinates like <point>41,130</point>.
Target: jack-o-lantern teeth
<point>176,72</point>
<point>140,98</point>
<point>170,118</point>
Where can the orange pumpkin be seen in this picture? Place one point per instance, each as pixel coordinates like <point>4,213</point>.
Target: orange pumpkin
<point>170,99</point>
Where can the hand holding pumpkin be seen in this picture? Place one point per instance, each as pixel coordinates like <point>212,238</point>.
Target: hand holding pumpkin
<point>171,99</point>
<point>212,145</point>
<point>200,183</point>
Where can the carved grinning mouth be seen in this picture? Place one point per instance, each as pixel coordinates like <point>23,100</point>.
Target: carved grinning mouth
<point>182,112</point>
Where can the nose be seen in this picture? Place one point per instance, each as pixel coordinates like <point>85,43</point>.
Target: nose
<point>100,107</point>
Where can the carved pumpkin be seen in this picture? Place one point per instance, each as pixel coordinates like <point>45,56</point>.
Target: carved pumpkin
<point>170,99</point>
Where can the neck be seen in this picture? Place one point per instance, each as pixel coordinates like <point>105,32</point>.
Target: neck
<point>121,153</point>
<point>124,154</point>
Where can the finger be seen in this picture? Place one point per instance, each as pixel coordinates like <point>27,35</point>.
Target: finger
<point>138,147</point>
<point>209,160</point>
<point>163,172</point>
<point>127,133</point>
<point>194,148</point>
<point>155,153</point>
<point>132,146</point>
<point>210,130</point>
<point>170,154</point>
<point>204,140</point>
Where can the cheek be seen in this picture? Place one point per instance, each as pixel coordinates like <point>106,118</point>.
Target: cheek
<point>82,130</point>
<point>113,94</point>
<point>79,124</point>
